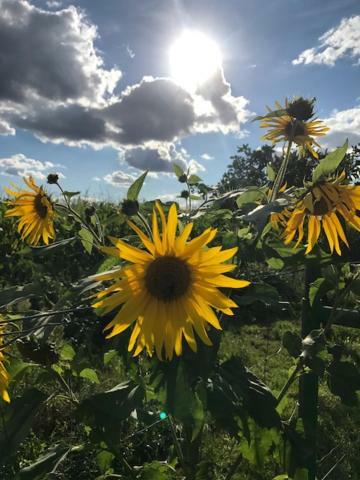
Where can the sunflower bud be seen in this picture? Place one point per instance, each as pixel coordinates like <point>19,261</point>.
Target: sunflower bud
<point>184,194</point>
<point>52,178</point>
<point>301,108</point>
<point>89,212</point>
<point>129,207</point>
<point>182,178</point>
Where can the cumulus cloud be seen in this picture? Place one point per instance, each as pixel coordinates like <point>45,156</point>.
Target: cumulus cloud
<point>19,165</point>
<point>206,156</point>
<point>336,43</point>
<point>53,4</point>
<point>5,128</point>
<point>160,158</point>
<point>50,55</point>
<point>119,179</point>
<point>53,83</point>
<point>343,124</point>
<point>225,112</point>
<point>156,109</point>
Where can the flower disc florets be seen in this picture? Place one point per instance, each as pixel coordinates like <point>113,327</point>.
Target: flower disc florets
<point>130,207</point>
<point>167,278</point>
<point>301,108</point>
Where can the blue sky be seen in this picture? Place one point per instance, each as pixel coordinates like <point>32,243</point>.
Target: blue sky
<point>73,91</point>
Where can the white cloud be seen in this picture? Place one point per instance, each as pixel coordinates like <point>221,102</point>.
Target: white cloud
<point>5,128</point>
<point>343,124</point>
<point>53,83</point>
<point>53,4</point>
<point>130,51</point>
<point>160,157</point>
<point>119,179</point>
<point>206,156</point>
<point>50,55</point>
<point>96,179</point>
<point>336,43</point>
<point>19,165</point>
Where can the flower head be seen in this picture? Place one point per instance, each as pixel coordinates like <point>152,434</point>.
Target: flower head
<point>300,108</point>
<point>129,207</point>
<point>321,208</point>
<point>4,376</point>
<point>288,127</point>
<point>35,210</point>
<point>170,289</point>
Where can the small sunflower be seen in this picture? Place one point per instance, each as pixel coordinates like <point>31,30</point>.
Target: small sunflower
<point>286,127</point>
<point>4,376</point>
<point>35,210</point>
<point>321,207</point>
<point>170,289</point>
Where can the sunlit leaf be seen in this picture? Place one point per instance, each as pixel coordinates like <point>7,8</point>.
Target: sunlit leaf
<point>330,163</point>
<point>135,188</point>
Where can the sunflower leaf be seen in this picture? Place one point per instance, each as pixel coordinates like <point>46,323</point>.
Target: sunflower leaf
<point>330,163</point>
<point>275,113</point>
<point>134,189</point>
<point>178,170</point>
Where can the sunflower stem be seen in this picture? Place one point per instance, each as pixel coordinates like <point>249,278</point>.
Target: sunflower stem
<point>282,171</point>
<point>309,383</point>
<point>177,444</point>
<point>145,223</point>
<point>75,214</point>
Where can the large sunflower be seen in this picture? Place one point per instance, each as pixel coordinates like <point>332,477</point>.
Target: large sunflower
<point>321,207</point>
<point>170,289</point>
<point>4,376</point>
<point>35,210</point>
<point>287,127</point>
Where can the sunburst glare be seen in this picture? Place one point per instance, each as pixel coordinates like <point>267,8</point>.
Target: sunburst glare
<point>194,58</point>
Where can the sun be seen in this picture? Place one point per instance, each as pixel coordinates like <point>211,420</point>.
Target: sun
<point>194,58</point>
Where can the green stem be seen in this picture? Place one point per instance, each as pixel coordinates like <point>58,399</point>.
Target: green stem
<point>75,214</point>
<point>145,223</point>
<point>177,444</point>
<point>281,173</point>
<point>289,381</point>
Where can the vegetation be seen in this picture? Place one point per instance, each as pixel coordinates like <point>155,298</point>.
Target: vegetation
<point>275,395</point>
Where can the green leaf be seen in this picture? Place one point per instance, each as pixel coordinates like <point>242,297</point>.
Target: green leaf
<point>270,172</point>
<point>107,264</point>
<point>134,189</point>
<point>284,476</point>
<point>274,113</point>
<point>43,249</point>
<point>344,381</point>
<point>104,460</point>
<point>262,442</point>
<point>276,263</point>
<point>318,289</point>
<point>261,292</point>
<point>157,471</point>
<point>178,170</point>
<point>69,195</point>
<point>18,293</point>
<point>251,195</point>
<point>67,352</point>
<point>194,179</point>
<point>188,408</point>
<point>87,239</point>
<point>17,422</point>
<point>46,462</point>
<point>292,342</point>
<point>90,375</point>
<point>301,474</point>
<point>330,163</point>
<point>103,411</point>
<point>108,356</point>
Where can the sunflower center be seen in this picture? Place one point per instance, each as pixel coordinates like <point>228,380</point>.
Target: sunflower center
<point>167,278</point>
<point>40,207</point>
<point>295,129</point>
<point>321,207</point>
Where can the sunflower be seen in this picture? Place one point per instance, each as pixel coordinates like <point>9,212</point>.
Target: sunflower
<point>286,127</point>
<point>170,289</point>
<point>35,210</point>
<point>321,207</point>
<point>4,376</point>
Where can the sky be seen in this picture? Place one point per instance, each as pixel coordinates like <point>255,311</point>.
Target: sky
<point>101,91</point>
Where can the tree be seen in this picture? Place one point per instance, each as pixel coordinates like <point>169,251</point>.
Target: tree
<point>249,167</point>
